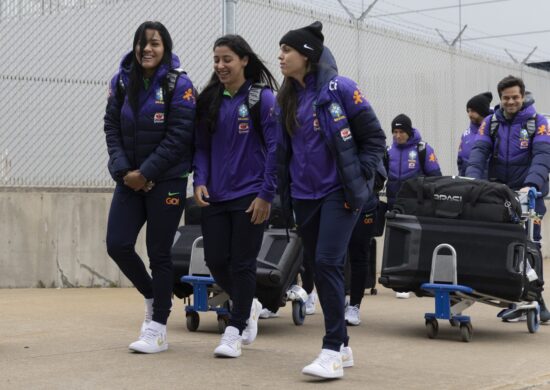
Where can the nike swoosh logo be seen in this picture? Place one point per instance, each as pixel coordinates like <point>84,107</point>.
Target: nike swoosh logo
<point>173,193</point>
<point>307,47</point>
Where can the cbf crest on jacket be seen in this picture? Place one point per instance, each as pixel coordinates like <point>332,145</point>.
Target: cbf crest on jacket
<point>342,144</point>
<point>404,163</point>
<point>234,161</point>
<point>515,158</point>
<point>156,140</point>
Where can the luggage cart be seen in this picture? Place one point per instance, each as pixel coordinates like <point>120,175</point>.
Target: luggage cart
<point>207,296</point>
<point>451,299</point>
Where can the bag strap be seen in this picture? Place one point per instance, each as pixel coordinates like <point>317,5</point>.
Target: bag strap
<point>253,101</point>
<point>421,149</point>
<point>169,85</point>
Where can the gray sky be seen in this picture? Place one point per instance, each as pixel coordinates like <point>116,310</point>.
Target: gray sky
<point>490,18</point>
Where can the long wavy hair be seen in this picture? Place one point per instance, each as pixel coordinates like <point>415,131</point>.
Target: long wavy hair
<point>209,100</point>
<point>288,100</point>
<point>136,70</point>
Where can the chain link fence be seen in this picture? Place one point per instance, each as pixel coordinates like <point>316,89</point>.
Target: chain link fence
<point>60,55</point>
<point>397,72</point>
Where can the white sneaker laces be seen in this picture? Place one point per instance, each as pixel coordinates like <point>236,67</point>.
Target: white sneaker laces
<point>324,360</point>
<point>229,338</point>
<point>149,335</point>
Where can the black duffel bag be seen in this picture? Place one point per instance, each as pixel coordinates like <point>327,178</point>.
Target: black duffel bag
<point>458,198</point>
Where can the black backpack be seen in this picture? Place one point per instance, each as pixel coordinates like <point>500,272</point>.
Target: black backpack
<point>168,87</point>
<point>530,125</point>
<point>253,102</point>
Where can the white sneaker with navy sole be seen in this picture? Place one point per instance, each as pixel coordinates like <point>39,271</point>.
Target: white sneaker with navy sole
<point>328,365</point>
<point>152,339</point>
<point>230,344</point>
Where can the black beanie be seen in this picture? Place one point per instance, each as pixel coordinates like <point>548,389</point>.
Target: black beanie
<point>480,103</point>
<point>306,40</point>
<point>402,122</point>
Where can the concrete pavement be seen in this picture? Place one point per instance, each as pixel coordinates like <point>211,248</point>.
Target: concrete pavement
<point>78,338</point>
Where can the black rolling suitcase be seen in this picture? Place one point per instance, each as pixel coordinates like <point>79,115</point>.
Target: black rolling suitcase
<point>370,280</point>
<point>371,269</point>
<point>279,262</point>
<point>489,255</point>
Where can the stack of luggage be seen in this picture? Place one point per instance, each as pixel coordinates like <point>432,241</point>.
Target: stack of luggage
<point>480,219</point>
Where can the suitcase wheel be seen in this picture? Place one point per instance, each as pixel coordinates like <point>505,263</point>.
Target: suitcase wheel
<point>466,331</point>
<point>298,312</point>
<point>373,291</point>
<point>193,320</point>
<point>432,328</point>
<point>532,321</point>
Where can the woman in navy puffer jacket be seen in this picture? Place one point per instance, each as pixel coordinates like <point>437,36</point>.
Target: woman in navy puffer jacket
<point>149,133</point>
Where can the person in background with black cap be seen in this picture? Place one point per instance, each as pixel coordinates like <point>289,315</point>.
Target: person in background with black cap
<point>477,108</point>
<point>407,157</point>
<point>331,147</point>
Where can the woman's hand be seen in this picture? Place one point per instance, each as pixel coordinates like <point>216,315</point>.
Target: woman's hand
<point>260,210</point>
<point>135,180</point>
<point>201,195</point>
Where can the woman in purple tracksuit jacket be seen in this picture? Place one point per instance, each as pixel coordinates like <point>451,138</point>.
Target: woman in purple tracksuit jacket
<point>235,180</point>
<point>404,160</point>
<point>149,140</point>
<point>331,147</point>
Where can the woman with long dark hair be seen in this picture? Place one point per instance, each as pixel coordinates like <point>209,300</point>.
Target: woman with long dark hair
<point>235,178</point>
<point>332,145</point>
<point>149,131</point>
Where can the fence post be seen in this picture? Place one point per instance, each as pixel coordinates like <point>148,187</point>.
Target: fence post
<point>229,20</point>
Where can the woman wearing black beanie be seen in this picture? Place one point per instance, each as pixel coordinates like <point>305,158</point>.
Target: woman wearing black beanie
<point>332,146</point>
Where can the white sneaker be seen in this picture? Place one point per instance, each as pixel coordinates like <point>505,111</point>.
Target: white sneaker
<point>230,344</point>
<point>153,339</point>
<point>327,365</point>
<point>310,303</point>
<point>347,356</point>
<point>143,327</point>
<point>266,313</point>
<point>352,315</point>
<point>251,330</point>
<point>403,295</point>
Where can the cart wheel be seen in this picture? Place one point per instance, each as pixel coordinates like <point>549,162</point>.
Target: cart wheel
<point>454,323</point>
<point>532,321</point>
<point>193,320</point>
<point>298,312</point>
<point>222,323</point>
<point>466,331</point>
<point>373,291</point>
<point>432,327</point>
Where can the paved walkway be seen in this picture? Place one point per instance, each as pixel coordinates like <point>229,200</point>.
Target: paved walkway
<point>77,339</point>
